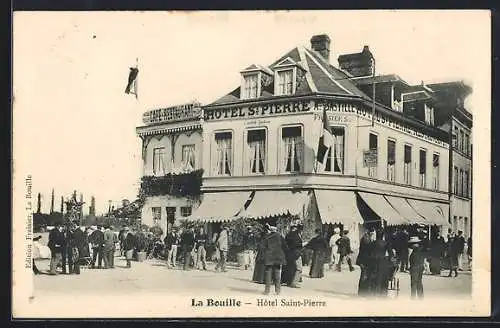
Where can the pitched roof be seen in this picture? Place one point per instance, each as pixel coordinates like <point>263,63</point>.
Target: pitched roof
<point>317,76</point>
<point>379,79</point>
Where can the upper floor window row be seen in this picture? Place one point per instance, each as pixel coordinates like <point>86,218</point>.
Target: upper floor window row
<point>280,81</point>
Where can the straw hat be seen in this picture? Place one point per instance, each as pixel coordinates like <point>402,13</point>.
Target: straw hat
<point>336,230</point>
<point>273,228</point>
<point>414,240</point>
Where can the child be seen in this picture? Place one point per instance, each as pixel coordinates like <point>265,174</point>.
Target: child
<point>416,267</point>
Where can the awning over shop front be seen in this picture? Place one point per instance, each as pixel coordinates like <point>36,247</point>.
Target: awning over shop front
<point>433,213</point>
<point>221,206</point>
<point>401,205</point>
<point>381,206</point>
<point>337,206</point>
<point>270,203</point>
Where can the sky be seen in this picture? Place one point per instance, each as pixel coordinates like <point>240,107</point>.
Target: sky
<point>74,127</point>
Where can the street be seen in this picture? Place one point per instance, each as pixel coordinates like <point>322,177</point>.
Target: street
<point>153,276</point>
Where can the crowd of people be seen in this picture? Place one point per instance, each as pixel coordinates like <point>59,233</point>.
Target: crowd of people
<point>275,259</point>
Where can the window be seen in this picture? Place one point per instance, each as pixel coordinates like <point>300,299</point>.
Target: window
<point>407,165</point>
<point>373,146</point>
<point>435,171</point>
<point>461,183</point>
<point>466,184</point>
<point>188,157</point>
<point>454,138</point>
<point>224,152</point>
<point>156,216</point>
<point>422,168</point>
<point>292,148</point>
<point>159,161</point>
<point>455,180</point>
<point>429,115</point>
<point>336,154</point>
<point>251,86</point>
<point>391,160</point>
<point>466,144</point>
<point>285,82</point>
<point>170,214</point>
<point>256,142</point>
<point>185,211</point>
<point>461,141</point>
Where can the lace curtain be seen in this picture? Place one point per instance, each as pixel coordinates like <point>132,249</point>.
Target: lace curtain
<point>257,156</point>
<point>293,154</point>
<point>224,165</point>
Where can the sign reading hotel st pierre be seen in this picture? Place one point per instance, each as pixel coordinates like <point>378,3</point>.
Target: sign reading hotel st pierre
<point>302,106</point>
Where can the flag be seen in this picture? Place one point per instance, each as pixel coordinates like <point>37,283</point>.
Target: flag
<point>132,81</point>
<point>326,141</point>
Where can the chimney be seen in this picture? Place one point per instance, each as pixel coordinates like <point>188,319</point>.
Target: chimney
<point>321,44</point>
<point>358,64</point>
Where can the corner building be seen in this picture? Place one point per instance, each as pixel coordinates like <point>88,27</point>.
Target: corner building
<point>388,164</point>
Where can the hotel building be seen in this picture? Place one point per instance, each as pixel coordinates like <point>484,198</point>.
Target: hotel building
<point>388,165</point>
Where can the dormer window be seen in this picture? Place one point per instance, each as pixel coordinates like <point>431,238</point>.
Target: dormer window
<point>253,81</point>
<point>285,82</point>
<point>250,87</point>
<point>429,115</point>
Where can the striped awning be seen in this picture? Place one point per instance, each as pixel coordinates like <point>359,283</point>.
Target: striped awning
<point>383,209</point>
<point>404,208</point>
<point>272,203</point>
<point>338,206</point>
<point>433,213</point>
<point>220,206</point>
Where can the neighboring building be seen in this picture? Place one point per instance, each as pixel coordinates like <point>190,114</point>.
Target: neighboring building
<point>171,146</point>
<point>453,95</point>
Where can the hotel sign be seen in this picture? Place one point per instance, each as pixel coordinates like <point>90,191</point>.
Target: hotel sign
<point>254,111</point>
<point>337,112</point>
<point>172,114</point>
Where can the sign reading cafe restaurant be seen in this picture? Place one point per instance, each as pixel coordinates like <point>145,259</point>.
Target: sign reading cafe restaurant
<point>302,106</point>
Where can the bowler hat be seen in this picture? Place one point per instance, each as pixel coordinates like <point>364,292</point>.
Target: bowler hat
<point>414,240</point>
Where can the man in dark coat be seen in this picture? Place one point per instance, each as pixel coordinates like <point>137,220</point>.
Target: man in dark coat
<point>402,249</point>
<point>129,245</point>
<point>171,241</point>
<point>76,241</point>
<point>417,258</point>
<point>363,261</point>
<point>187,245</point>
<point>461,248</point>
<point>201,249</point>
<point>344,244</point>
<point>57,243</point>
<point>292,272</point>
<point>274,250</point>
<point>96,238</point>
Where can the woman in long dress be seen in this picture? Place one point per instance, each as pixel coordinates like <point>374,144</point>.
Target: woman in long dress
<point>258,271</point>
<point>436,254</point>
<point>319,246</point>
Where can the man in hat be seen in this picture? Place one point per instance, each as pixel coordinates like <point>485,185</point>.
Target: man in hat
<point>461,248</point>
<point>250,244</point>
<point>363,261</point>
<point>56,243</point>
<point>417,258</point>
<point>129,245</point>
<point>222,244</point>
<point>172,241</point>
<point>96,238</point>
<point>110,240</point>
<point>201,244</point>
<point>333,247</point>
<point>292,271</point>
<point>274,250</point>
<point>187,245</point>
<point>344,250</point>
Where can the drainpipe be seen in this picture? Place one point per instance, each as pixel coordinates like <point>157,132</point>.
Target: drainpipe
<point>450,166</point>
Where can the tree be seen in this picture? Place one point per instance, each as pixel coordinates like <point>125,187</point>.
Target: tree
<point>62,204</point>
<point>52,202</point>
<point>92,206</point>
